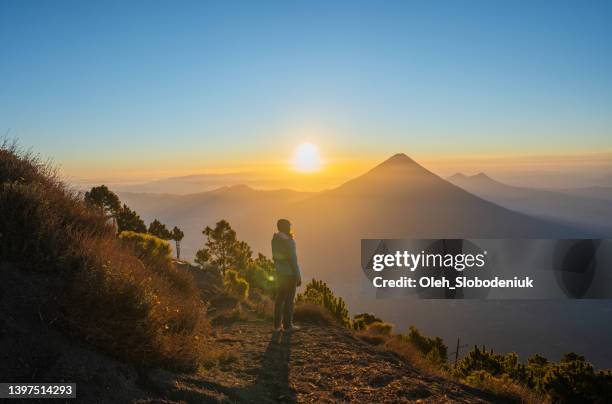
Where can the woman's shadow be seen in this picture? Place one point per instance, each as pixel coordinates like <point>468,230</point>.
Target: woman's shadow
<point>272,381</point>
<point>271,384</point>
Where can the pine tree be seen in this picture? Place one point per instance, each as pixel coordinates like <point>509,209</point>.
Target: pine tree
<point>177,235</point>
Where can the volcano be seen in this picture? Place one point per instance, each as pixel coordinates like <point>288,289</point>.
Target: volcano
<point>401,199</point>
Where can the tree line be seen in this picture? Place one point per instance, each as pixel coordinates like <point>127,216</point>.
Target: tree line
<point>125,219</point>
<point>222,250</point>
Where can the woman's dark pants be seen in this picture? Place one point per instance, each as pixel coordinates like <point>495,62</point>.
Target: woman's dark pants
<point>283,305</point>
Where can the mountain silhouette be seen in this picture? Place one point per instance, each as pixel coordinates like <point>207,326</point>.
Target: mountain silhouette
<point>400,198</point>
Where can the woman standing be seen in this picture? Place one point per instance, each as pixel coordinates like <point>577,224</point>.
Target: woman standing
<point>288,276</point>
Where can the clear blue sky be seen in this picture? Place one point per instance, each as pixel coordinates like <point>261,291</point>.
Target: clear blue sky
<point>95,83</point>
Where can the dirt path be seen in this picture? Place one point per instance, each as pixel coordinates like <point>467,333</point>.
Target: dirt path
<point>316,364</point>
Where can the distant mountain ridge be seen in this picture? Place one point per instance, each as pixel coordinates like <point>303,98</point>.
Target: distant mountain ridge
<point>189,184</point>
<point>572,206</point>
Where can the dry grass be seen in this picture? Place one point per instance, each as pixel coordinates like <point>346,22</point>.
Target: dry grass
<point>142,311</point>
<point>261,304</point>
<point>410,353</point>
<point>313,314</point>
<point>380,327</point>
<point>131,311</point>
<point>503,387</point>
<point>229,315</point>
<point>220,357</point>
<point>371,338</point>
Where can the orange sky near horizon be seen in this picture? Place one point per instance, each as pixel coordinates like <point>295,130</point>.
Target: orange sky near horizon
<point>278,173</point>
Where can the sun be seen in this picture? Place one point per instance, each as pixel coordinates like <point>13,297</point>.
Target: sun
<point>306,158</point>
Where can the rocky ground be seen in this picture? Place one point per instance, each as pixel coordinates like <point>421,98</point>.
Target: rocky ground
<point>314,365</point>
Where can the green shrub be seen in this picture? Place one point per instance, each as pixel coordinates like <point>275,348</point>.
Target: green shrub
<point>156,253</point>
<point>571,380</point>
<point>363,320</point>
<point>318,293</point>
<point>260,274</point>
<point>236,285</point>
<point>502,386</point>
<point>480,359</point>
<point>574,380</point>
<point>433,349</point>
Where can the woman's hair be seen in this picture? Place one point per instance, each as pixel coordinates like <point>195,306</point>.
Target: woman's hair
<point>284,225</point>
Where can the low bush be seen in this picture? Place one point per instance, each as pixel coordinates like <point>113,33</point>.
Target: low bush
<point>236,285</point>
<point>380,327</point>
<point>149,248</point>
<point>503,387</point>
<point>260,274</point>
<point>433,349</point>
<point>363,320</point>
<point>571,380</point>
<point>399,344</point>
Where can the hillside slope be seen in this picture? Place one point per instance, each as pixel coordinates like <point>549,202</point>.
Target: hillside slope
<point>34,348</point>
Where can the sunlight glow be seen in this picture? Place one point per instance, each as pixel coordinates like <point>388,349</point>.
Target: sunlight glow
<point>307,158</point>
